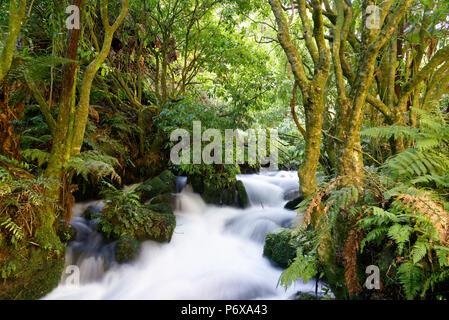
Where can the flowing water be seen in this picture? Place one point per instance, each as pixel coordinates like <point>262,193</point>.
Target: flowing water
<point>215,252</point>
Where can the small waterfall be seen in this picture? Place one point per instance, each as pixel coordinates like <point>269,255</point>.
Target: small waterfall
<point>215,253</point>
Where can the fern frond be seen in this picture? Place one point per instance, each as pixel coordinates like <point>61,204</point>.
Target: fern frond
<point>410,276</point>
<point>93,163</point>
<point>40,156</point>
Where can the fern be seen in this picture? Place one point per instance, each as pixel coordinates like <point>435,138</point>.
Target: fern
<point>14,230</point>
<point>304,266</point>
<point>420,250</point>
<point>36,155</point>
<point>400,234</point>
<point>411,276</point>
<point>93,163</point>
<point>413,162</point>
<point>391,132</point>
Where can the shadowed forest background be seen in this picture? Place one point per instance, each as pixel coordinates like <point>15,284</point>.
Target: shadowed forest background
<point>359,96</point>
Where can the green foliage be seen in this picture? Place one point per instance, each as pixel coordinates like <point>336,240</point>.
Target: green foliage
<point>122,206</point>
<point>305,265</point>
<point>411,277</point>
<point>7,270</point>
<point>124,215</point>
<point>14,230</point>
<point>93,163</point>
<point>40,156</point>
<point>427,162</point>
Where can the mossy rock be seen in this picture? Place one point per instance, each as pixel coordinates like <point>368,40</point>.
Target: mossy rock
<point>159,227</point>
<point>242,195</point>
<point>216,195</point>
<point>292,204</point>
<point>164,198</point>
<point>162,184</point>
<point>233,195</point>
<point>141,223</point>
<point>160,207</point>
<point>37,272</point>
<point>305,296</point>
<point>277,248</point>
<point>126,249</point>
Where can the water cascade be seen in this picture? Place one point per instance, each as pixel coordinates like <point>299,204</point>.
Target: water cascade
<point>215,253</point>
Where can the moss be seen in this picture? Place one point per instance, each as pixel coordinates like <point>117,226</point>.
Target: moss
<point>277,248</point>
<point>148,222</point>
<point>160,207</point>
<point>242,195</point>
<point>305,296</point>
<point>160,227</point>
<point>164,183</point>
<point>37,273</point>
<point>164,198</point>
<point>66,232</point>
<point>126,249</point>
<point>212,192</point>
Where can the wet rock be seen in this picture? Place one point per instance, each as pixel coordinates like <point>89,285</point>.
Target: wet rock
<point>147,222</point>
<point>292,204</point>
<point>242,195</point>
<point>234,194</point>
<point>277,247</point>
<point>126,249</point>
<point>162,184</point>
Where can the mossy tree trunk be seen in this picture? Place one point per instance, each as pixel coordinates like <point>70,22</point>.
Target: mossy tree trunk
<point>312,89</point>
<point>16,15</point>
<point>70,125</point>
<point>351,105</point>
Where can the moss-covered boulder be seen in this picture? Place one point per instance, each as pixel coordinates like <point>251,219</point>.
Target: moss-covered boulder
<point>29,273</point>
<point>305,296</point>
<point>242,195</point>
<point>213,192</point>
<point>165,183</point>
<point>277,247</point>
<point>164,198</point>
<point>126,249</point>
<point>32,239</point>
<point>157,226</point>
<point>141,223</point>
<point>232,193</point>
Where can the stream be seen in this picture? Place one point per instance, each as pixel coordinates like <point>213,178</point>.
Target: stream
<point>215,252</point>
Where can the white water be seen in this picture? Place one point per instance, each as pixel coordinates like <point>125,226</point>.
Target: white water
<point>215,252</point>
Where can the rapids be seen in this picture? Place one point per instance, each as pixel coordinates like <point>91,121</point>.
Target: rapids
<point>215,252</point>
